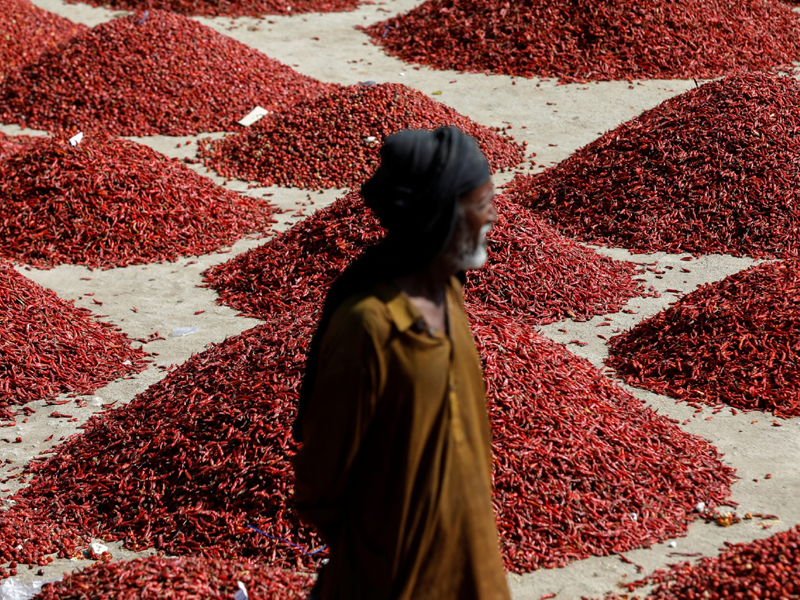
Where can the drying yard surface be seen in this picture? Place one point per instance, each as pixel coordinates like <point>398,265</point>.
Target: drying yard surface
<point>597,483</point>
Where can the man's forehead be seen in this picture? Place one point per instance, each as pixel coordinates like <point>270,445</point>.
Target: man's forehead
<point>480,194</point>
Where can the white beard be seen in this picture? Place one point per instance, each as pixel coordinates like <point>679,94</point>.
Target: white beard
<point>471,254</point>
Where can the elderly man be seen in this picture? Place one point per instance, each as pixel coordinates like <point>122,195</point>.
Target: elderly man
<point>395,465</point>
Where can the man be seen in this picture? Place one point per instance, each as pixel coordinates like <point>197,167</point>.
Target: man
<point>395,465</point>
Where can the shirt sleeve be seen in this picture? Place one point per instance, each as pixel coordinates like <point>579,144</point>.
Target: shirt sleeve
<point>340,409</point>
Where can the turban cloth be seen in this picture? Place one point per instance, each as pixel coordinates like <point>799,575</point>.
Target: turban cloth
<point>415,191</point>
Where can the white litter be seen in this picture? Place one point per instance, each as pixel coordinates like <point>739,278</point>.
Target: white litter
<point>183,331</point>
<point>13,589</point>
<point>253,116</point>
<point>76,139</point>
<point>98,548</point>
<point>241,593</point>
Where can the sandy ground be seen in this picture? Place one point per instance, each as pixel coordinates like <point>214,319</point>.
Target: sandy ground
<point>557,120</point>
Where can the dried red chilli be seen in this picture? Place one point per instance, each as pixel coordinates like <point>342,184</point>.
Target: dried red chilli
<point>581,467</point>
<point>203,453</point>
<point>535,273</point>
<point>765,568</point>
<point>185,467</point>
<point>49,346</point>
<point>230,8</point>
<point>532,271</point>
<point>296,267</point>
<point>155,578</point>
<point>733,342</point>
<point>585,39</point>
<point>109,202</point>
<point>26,31</point>
<point>158,73</point>
<point>714,170</point>
<point>190,462</point>
<point>334,140</point>
<point>12,144</point>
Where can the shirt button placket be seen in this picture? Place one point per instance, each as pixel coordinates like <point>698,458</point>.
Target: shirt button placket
<point>455,414</point>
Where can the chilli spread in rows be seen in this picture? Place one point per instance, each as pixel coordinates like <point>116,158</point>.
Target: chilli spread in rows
<point>193,461</point>
<point>107,202</point>
<point>150,73</point>
<point>713,170</point>
<point>49,346</point>
<point>765,568</point>
<point>732,342</point>
<point>532,271</point>
<point>231,8</point>
<point>578,40</point>
<point>334,140</point>
<point>156,578</point>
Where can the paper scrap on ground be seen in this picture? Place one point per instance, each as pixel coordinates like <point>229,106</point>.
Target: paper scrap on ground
<point>13,589</point>
<point>254,115</point>
<point>184,331</point>
<point>241,593</point>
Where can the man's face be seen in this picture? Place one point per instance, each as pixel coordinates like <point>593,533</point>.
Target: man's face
<point>476,215</point>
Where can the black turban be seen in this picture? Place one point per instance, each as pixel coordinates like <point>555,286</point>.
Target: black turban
<point>414,194</point>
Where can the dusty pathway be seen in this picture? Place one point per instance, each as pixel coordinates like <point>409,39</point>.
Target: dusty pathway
<point>557,120</point>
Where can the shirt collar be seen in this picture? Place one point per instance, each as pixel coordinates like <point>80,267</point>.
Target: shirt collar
<point>403,313</point>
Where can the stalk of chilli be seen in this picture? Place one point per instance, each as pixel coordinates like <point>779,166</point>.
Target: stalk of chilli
<point>731,342</point>
<point>109,202</point>
<point>48,346</point>
<point>712,171</point>
<point>334,140</point>
<point>158,73</point>
<point>580,40</point>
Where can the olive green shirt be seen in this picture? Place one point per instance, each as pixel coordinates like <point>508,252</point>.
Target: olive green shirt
<point>395,466</point>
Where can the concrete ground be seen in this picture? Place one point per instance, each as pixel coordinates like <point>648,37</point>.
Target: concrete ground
<point>559,119</point>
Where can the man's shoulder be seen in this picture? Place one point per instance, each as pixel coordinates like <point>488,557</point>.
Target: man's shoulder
<point>364,311</point>
<point>366,306</point>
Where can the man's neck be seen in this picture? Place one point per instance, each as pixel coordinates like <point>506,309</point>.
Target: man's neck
<point>427,283</point>
<point>425,290</point>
